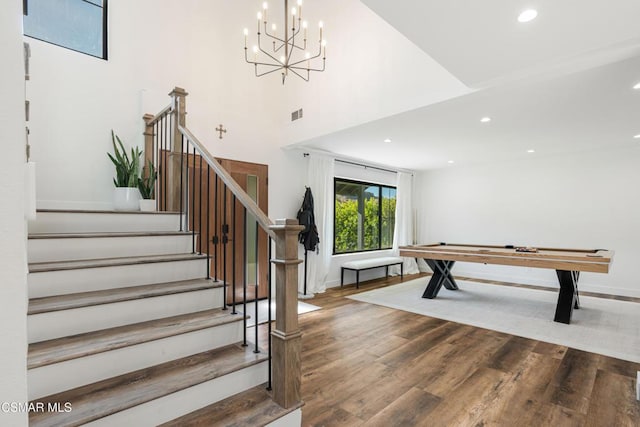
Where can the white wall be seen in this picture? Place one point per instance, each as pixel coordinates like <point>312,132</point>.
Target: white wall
<point>13,295</point>
<point>372,71</point>
<point>153,46</point>
<point>582,200</point>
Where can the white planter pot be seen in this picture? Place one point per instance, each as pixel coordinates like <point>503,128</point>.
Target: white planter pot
<point>147,205</point>
<point>126,199</point>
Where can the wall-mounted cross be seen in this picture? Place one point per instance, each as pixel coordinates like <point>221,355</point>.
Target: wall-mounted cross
<point>221,129</point>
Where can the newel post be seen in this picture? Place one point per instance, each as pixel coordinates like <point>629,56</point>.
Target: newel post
<point>179,117</point>
<point>286,337</point>
<point>148,143</point>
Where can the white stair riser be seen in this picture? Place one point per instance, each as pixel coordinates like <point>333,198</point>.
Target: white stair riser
<point>61,282</point>
<point>56,324</point>
<point>188,400</point>
<point>66,375</point>
<point>86,222</point>
<point>68,249</point>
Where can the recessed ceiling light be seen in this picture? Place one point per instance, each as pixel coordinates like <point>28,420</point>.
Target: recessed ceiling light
<point>637,136</point>
<point>485,119</point>
<point>387,140</point>
<point>528,15</point>
<point>451,162</point>
<point>636,86</point>
<point>531,151</point>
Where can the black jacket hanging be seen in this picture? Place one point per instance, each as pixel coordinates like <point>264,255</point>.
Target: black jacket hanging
<point>309,236</point>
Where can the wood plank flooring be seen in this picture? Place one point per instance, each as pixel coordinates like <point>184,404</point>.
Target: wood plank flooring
<point>376,366</point>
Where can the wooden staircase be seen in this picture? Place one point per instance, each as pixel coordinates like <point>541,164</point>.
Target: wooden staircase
<point>126,329</point>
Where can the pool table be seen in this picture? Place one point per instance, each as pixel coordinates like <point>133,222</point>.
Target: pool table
<point>568,264</point>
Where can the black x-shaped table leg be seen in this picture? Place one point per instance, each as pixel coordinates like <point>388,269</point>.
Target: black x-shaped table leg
<point>441,276</point>
<point>568,296</point>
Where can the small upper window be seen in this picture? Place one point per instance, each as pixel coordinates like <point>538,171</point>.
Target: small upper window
<point>79,25</point>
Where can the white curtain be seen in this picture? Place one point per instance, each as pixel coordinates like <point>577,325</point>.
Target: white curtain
<point>320,180</point>
<point>403,231</point>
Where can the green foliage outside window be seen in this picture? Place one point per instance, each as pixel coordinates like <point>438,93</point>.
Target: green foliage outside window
<point>377,223</point>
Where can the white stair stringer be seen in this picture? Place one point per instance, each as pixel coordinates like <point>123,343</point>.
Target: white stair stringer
<point>56,324</point>
<point>49,248</point>
<point>49,283</point>
<point>50,379</point>
<point>187,400</point>
<point>59,221</point>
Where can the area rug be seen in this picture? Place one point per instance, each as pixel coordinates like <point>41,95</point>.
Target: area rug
<point>602,326</point>
<point>263,311</point>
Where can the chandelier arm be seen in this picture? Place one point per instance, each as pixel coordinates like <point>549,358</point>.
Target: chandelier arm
<point>308,69</point>
<point>266,64</point>
<point>279,64</point>
<point>311,58</point>
<point>267,72</point>
<point>295,33</point>
<point>300,75</point>
<point>290,45</point>
<point>274,37</point>
<point>269,55</point>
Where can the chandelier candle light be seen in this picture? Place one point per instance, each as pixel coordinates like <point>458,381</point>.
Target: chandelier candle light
<point>294,54</point>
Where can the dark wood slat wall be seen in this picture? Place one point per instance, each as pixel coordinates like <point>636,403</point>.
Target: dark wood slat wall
<point>375,366</point>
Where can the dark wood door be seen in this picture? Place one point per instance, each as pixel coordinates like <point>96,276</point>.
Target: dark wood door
<point>237,245</point>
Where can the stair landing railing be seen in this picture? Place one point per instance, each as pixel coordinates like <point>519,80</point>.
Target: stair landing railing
<point>186,170</point>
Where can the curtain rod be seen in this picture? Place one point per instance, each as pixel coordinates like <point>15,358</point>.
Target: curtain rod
<point>307,151</point>
<point>366,166</point>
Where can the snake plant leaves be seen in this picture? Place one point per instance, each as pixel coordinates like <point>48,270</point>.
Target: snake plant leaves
<point>127,169</point>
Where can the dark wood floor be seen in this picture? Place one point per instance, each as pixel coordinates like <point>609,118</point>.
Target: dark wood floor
<point>375,366</point>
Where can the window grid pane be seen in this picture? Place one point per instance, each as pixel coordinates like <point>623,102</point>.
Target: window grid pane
<point>74,24</point>
<point>364,216</point>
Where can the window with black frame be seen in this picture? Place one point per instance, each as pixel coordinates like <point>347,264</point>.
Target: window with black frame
<point>364,216</point>
<point>79,25</point>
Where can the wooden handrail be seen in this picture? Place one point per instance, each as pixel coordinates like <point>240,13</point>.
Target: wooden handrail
<point>151,120</point>
<point>252,207</point>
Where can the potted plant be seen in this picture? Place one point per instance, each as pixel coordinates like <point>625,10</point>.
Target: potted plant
<point>126,195</point>
<point>146,185</point>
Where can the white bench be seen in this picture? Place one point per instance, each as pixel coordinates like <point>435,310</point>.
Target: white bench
<point>367,264</point>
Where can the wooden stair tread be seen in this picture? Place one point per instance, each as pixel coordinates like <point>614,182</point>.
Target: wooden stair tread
<point>251,408</point>
<point>98,211</point>
<point>38,236</point>
<point>107,296</point>
<point>72,347</point>
<point>39,267</point>
<point>107,397</point>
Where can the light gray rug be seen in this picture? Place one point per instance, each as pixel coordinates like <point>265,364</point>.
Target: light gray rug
<point>602,326</point>
<point>263,311</point>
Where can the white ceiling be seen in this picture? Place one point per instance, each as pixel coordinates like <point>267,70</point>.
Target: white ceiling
<point>560,83</point>
<point>482,41</point>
